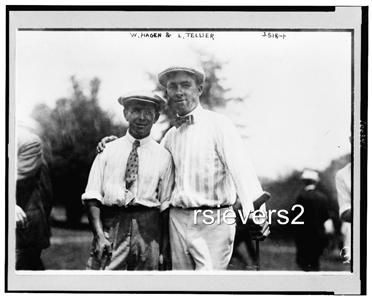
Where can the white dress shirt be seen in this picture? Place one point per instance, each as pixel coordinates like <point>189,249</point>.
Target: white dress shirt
<point>343,186</point>
<point>211,167</point>
<point>154,182</point>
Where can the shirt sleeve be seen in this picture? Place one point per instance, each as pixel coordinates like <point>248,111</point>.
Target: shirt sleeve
<point>231,148</point>
<point>343,193</point>
<point>29,157</point>
<point>94,188</point>
<point>166,184</point>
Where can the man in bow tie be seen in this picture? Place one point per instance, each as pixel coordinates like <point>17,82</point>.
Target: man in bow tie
<point>211,171</point>
<point>128,189</point>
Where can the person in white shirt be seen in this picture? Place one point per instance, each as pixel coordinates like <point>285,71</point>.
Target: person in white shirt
<point>129,185</point>
<point>343,186</point>
<point>211,171</point>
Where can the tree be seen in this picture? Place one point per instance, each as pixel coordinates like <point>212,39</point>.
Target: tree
<point>72,130</point>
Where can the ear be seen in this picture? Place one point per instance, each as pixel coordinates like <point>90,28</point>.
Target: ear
<point>125,113</point>
<point>166,95</point>
<point>157,114</point>
<point>200,89</point>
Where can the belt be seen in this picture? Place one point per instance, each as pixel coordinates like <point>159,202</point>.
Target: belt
<point>130,208</point>
<point>204,207</point>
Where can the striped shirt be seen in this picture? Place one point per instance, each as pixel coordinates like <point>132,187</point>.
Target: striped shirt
<point>211,167</point>
<point>153,187</point>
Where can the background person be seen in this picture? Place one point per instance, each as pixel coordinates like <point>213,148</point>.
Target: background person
<point>33,200</point>
<point>343,186</point>
<point>310,236</point>
<point>244,247</point>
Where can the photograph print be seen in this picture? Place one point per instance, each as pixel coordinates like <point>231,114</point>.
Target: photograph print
<point>185,149</point>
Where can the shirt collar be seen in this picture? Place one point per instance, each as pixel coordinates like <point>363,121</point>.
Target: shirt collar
<point>142,141</point>
<point>196,112</point>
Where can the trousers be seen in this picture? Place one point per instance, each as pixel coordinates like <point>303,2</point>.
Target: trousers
<point>200,242</point>
<point>135,236</point>
<point>29,259</point>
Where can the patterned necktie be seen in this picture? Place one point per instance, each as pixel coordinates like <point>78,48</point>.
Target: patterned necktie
<point>132,165</point>
<point>188,120</point>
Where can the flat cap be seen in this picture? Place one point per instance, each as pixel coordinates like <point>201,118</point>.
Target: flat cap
<point>143,96</point>
<point>191,69</point>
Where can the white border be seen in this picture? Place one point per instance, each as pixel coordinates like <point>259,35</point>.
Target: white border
<point>67,280</point>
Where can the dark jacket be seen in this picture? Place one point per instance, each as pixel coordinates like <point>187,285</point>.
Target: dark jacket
<point>33,192</point>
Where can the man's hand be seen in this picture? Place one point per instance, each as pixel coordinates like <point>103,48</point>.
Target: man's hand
<point>102,249</point>
<point>345,254</point>
<point>20,217</point>
<point>102,144</point>
<point>346,216</point>
<point>259,227</point>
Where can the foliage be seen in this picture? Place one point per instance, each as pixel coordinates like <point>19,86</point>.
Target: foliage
<point>72,130</point>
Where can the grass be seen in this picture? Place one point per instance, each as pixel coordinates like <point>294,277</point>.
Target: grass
<point>70,249</point>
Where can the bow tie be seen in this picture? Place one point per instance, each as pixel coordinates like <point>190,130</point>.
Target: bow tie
<point>188,120</point>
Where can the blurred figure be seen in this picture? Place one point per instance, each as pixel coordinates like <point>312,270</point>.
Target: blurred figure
<point>343,186</point>
<point>244,248</point>
<point>310,236</point>
<point>33,200</point>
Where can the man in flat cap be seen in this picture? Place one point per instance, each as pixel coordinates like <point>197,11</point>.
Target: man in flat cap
<point>211,170</point>
<point>129,186</point>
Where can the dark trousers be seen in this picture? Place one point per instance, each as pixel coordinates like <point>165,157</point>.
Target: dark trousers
<point>29,259</point>
<point>309,250</point>
<point>134,233</point>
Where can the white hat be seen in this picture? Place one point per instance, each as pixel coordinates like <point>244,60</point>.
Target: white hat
<point>309,174</point>
<point>191,69</point>
<point>143,96</point>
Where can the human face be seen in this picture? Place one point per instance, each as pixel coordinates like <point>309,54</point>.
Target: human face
<point>183,92</point>
<point>141,116</point>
